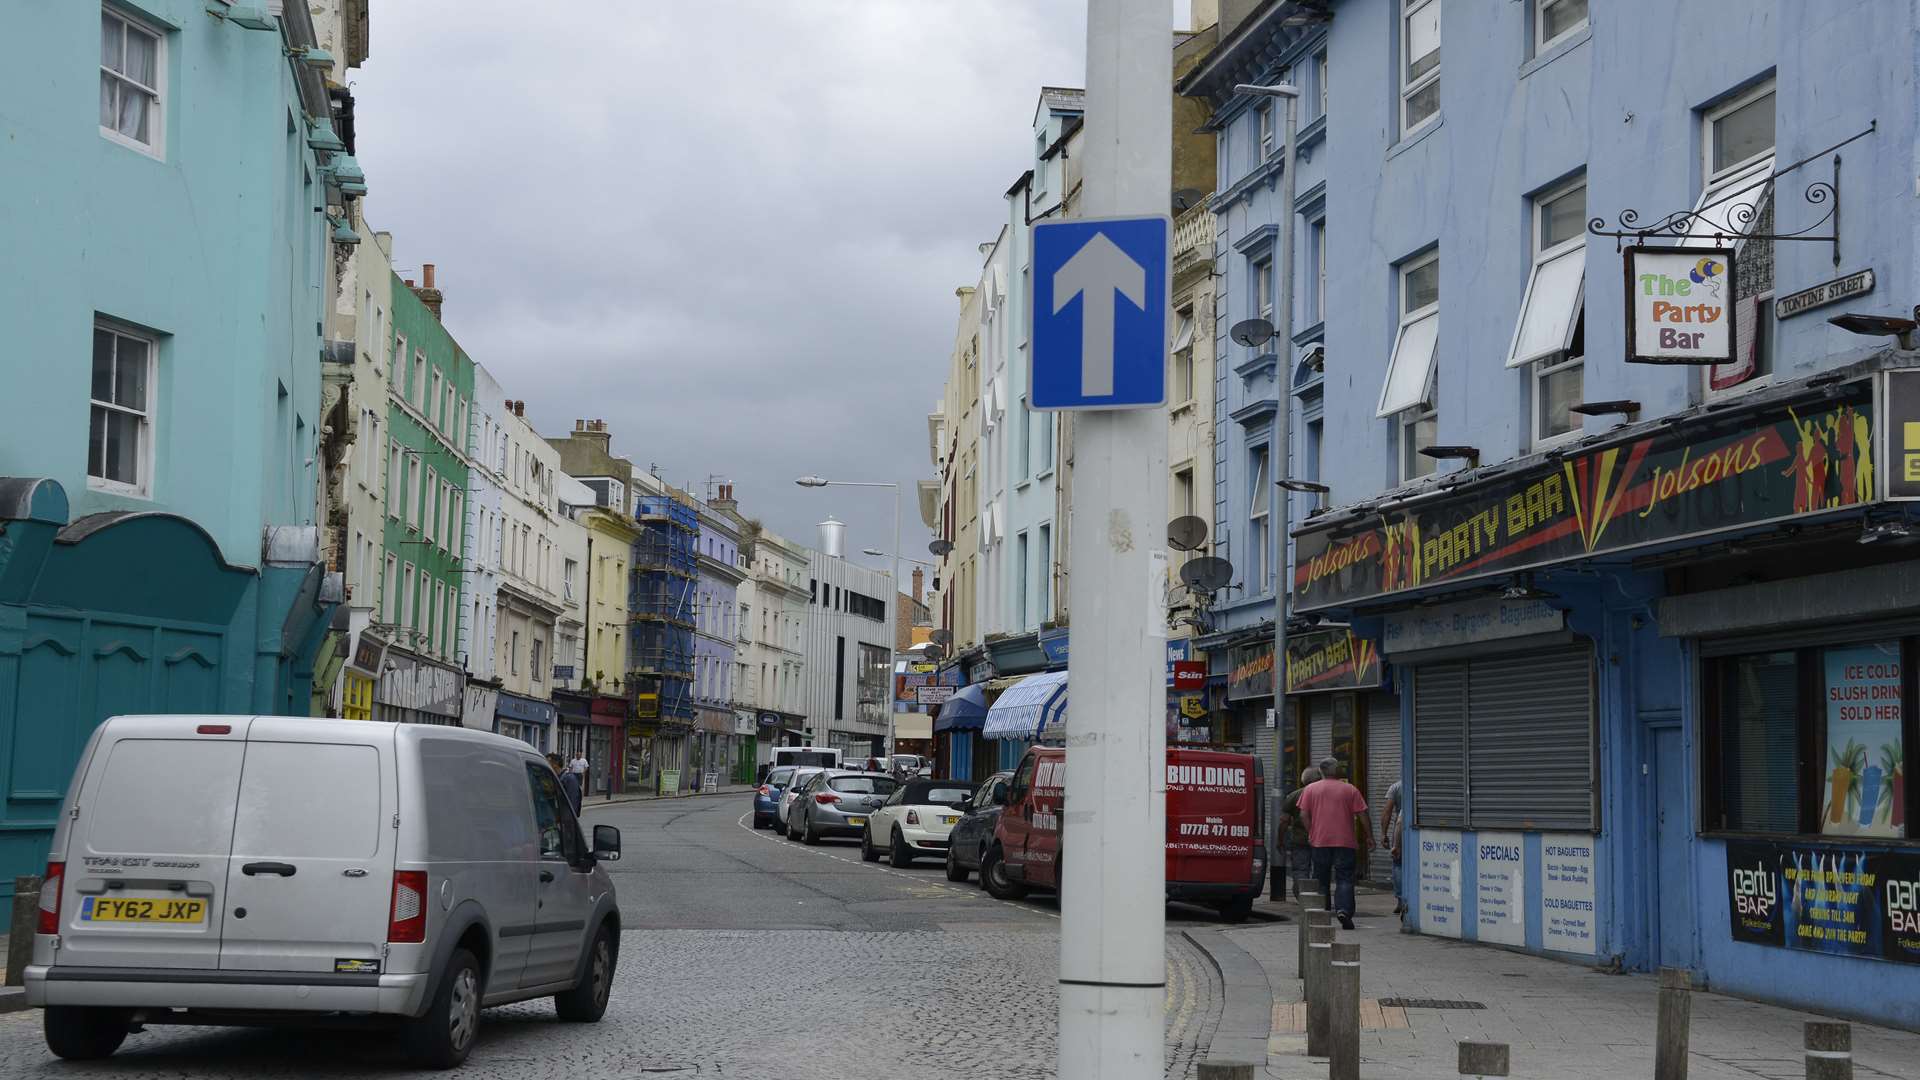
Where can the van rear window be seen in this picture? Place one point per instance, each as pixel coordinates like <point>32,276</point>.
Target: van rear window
<point>166,797</point>
<point>308,800</point>
<point>822,758</point>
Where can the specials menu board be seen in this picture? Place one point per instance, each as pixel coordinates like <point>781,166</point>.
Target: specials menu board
<point>1818,898</point>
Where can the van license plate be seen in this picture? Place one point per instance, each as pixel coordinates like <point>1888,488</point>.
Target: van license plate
<point>128,910</point>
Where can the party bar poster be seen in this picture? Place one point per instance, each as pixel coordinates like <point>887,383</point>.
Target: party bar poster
<point>1861,902</point>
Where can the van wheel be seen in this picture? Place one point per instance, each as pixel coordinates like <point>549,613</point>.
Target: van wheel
<point>993,877</point>
<point>81,1033</point>
<point>1237,909</point>
<point>955,872</point>
<point>586,1003</point>
<point>898,853</point>
<point>442,1037</point>
<point>868,853</point>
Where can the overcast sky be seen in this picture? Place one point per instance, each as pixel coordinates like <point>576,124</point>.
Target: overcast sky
<point>730,228</point>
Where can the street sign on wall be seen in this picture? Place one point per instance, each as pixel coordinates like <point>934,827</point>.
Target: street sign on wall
<point>1679,305</point>
<point>1099,313</point>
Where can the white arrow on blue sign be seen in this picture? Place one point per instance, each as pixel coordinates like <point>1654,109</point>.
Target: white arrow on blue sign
<point>1099,313</point>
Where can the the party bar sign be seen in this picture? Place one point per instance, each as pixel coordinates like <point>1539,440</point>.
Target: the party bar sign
<point>1848,901</point>
<point>1679,305</point>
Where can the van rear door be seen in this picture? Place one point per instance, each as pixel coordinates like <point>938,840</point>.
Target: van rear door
<point>147,851</point>
<point>313,848</point>
<point>1211,817</point>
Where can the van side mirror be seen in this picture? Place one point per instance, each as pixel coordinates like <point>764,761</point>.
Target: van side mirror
<point>606,843</point>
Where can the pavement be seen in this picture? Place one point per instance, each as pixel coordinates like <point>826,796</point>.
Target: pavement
<point>743,954</point>
<point>1563,1021</point>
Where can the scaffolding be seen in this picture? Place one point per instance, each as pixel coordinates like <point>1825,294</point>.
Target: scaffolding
<point>660,603</point>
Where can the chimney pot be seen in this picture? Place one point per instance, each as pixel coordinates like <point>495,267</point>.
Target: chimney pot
<point>409,282</point>
<point>426,274</point>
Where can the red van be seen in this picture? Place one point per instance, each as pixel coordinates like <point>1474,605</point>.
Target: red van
<point>1216,854</point>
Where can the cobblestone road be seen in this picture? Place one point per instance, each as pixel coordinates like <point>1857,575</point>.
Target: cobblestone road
<point>745,955</point>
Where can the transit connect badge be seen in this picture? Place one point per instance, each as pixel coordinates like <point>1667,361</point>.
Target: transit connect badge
<point>1680,306</point>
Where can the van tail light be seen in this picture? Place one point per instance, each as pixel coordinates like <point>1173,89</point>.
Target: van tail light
<point>214,729</point>
<point>913,817</point>
<point>407,919</point>
<point>826,798</point>
<point>50,888</point>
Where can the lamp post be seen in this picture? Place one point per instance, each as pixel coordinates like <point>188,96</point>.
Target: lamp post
<point>893,583</point>
<point>1281,434</point>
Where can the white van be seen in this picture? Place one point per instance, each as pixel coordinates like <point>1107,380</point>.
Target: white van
<point>242,869</point>
<point>823,757</point>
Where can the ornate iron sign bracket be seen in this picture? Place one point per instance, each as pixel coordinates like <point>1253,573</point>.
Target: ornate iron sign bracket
<point>1742,205</point>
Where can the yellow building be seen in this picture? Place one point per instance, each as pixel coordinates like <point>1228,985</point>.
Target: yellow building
<point>610,539</point>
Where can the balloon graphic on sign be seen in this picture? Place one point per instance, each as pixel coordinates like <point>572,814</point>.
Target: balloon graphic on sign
<point>1709,272</point>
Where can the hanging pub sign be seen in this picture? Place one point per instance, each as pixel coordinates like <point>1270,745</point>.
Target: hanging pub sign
<point>1846,901</point>
<point>1680,305</point>
<point>1782,461</point>
<point>1900,430</point>
<point>1332,659</point>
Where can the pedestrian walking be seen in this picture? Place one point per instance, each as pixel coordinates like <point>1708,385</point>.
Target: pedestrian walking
<point>580,767</point>
<point>570,783</point>
<point>1294,842</point>
<point>1336,816</point>
<point>1392,829</point>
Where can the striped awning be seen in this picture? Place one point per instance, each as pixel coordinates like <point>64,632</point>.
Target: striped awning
<point>1036,702</point>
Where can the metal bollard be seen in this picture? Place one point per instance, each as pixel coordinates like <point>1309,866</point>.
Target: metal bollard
<point>1829,1050</point>
<point>1226,1070</point>
<point>1483,1059</point>
<point>1319,972</point>
<point>1673,1024</point>
<point>1308,906</point>
<point>26,919</point>
<point>1343,1012</point>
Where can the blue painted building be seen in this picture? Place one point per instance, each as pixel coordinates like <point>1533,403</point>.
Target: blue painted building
<point>1650,626</point>
<point>162,169</point>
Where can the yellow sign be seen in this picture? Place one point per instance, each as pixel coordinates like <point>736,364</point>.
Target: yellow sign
<point>1193,706</point>
<point>647,705</point>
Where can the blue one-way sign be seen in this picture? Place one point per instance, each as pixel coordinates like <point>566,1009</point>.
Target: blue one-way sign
<point>1099,313</point>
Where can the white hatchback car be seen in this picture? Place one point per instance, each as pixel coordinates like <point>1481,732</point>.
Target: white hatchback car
<point>263,870</point>
<point>915,820</point>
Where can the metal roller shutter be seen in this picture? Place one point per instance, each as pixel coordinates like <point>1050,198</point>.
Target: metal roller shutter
<point>1383,768</point>
<point>1440,745</point>
<point>1530,740</point>
<point>1319,729</point>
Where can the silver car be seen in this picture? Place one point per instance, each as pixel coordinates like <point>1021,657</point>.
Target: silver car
<point>254,869</point>
<point>836,803</point>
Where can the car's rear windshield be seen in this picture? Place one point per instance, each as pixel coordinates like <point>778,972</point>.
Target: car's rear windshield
<point>937,794</point>
<point>864,785</point>
<point>779,777</point>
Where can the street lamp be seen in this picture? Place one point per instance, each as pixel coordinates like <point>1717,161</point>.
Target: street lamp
<point>1281,434</point>
<point>893,584</point>
<point>878,554</point>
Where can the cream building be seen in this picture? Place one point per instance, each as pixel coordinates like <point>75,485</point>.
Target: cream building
<point>531,599</point>
<point>956,445</point>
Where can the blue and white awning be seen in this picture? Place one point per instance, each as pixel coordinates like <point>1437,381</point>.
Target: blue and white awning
<point>1037,703</point>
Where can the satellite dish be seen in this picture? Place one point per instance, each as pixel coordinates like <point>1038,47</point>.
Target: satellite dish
<point>933,652</point>
<point>1207,574</point>
<point>1186,199</point>
<point>1252,333</point>
<point>941,638</point>
<point>941,547</point>
<point>1187,533</point>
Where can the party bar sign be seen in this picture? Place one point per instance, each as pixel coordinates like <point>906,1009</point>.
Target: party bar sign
<point>1679,305</point>
<point>1847,901</point>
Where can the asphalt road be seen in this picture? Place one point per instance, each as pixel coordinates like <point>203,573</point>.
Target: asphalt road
<point>743,954</point>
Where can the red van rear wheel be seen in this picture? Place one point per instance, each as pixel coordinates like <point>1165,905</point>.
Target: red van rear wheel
<point>993,874</point>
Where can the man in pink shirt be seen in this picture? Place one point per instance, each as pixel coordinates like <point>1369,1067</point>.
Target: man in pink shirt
<point>1336,816</point>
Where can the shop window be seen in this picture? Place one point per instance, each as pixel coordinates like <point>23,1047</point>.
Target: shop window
<point>1506,742</point>
<point>1812,741</point>
<point>1408,394</point>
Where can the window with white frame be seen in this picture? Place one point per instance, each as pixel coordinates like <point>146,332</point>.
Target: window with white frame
<point>1407,397</point>
<point>1259,500</point>
<point>1549,337</point>
<point>407,597</point>
<point>1266,129</point>
<point>537,660</point>
<point>130,81</point>
<point>430,503</point>
<point>1317,238</point>
<point>513,655</point>
<point>1321,73</point>
<point>417,381</point>
<point>1419,64</point>
<point>393,479</point>
<point>399,369</point>
<point>1183,357</point>
<point>412,494</point>
<point>389,591</point>
<point>1737,143</point>
<point>567,574</point>
<point>120,430</point>
<point>1263,288</point>
<point>456,520</point>
<point>1555,21</point>
<point>433,401</point>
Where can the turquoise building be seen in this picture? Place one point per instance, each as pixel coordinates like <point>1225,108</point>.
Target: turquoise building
<point>166,173</point>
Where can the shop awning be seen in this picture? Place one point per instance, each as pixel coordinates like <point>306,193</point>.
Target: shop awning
<point>1038,701</point>
<point>964,711</point>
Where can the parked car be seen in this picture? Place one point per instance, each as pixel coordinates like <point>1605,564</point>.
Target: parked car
<point>766,797</point>
<point>1215,842</point>
<point>967,843</point>
<point>836,803</point>
<point>908,766</point>
<point>241,869</point>
<point>799,777</point>
<point>915,820</point>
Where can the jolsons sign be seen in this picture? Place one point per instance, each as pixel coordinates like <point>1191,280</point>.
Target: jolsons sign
<point>1680,305</point>
<point>1783,461</point>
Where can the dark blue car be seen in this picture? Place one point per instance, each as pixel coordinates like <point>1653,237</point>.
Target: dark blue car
<point>766,797</point>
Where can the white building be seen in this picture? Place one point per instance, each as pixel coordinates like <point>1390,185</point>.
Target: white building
<point>849,650</point>
<point>480,554</point>
<point>769,664</point>
<point>530,590</point>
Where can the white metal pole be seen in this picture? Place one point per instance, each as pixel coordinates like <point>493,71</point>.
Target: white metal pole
<point>893,629</point>
<point>1113,918</point>
<point>1279,468</point>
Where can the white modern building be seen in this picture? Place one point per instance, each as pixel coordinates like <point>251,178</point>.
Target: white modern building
<point>849,648</point>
